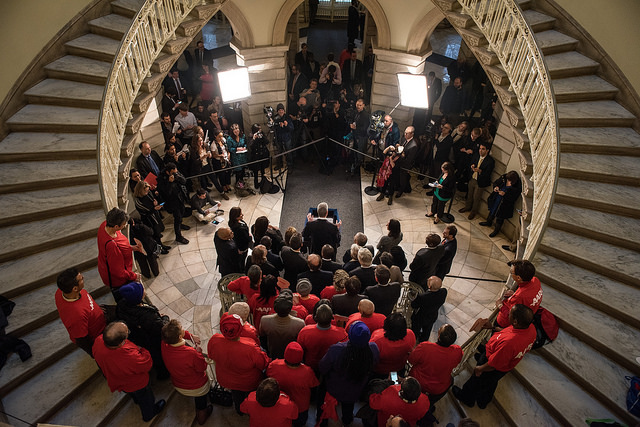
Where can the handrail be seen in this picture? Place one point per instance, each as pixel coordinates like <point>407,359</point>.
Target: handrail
<point>154,24</point>
<point>511,38</point>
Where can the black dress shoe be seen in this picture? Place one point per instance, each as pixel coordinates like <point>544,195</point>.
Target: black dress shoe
<point>398,194</point>
<point>182,240</point>
<point>507,248</point>
<point>166,248</point>
<point>494,233</point>
<point>164,251</point>
<point>157,408</point>
<point>485,223</point>
<point>463,210</point>
<point>457,392</point>
<point>429,193</point>
<point>380,197</point>
<point>184,227</point>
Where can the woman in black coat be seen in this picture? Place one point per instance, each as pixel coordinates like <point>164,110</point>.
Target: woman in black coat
<point>444,189</point>
<point>240,229</point>
<point>258,150</point>
<point>501,202</point>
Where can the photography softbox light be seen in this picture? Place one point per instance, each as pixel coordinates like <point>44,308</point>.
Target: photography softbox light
<point>413,90</point>
<point>234,85</point>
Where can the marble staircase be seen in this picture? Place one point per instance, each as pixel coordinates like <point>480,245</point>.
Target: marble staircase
<point>589,258</point>
<point>50,208</point>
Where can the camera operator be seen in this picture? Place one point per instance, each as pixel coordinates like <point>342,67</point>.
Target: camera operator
<point>330,81</point>
<point>389,136</point>
<point>258,150</point>
<point>336,128</point>
<point>283,128</point>
<point>300,113</point>
<point>360,129</point>
<point>314,104</point>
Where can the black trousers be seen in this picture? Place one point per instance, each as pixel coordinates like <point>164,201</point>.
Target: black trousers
<point>480,389</point>
<point>145,399</point>
<point>238,397</point>
<point>201,402</point>
<point>148,264</point>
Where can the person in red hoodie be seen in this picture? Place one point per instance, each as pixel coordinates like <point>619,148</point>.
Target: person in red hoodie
<point>83,318</point>
<point>296,379</point>
<point>366,314</point>
<point>432,363</point>
<point>503,352</point>
<point>268,407</point>
<point>115,253</point>
<point>239,361</point>
<point>126,368</point>
<point>187,367</point>
<point>316,339</point>
<point>405,399</point>
<point>247,285</point>
<point>262,303</point>
<point>395,342</point>
<point>529,292</point>
<point>243,310</point>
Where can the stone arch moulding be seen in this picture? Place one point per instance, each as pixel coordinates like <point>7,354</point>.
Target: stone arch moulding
<point>241,28</point>
<point>422,30</point>
<point>374,8</point>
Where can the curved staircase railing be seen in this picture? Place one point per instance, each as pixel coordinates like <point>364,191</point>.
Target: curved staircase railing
<point>511,38</point>
<point>152,27</point>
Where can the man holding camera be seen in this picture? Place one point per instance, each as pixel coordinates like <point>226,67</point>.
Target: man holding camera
<point>360,129</point>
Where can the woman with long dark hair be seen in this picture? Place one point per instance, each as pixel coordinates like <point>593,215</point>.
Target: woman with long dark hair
<point>238,149</point>
<point>149,209</point>
<point>393,238</point>
<point>240,229</point>
<point>200,159</point>
<point>262,228</point>
<point>220,161</point>
<point>347,366</point>
<point>261,304</point>
<point>258,150</point>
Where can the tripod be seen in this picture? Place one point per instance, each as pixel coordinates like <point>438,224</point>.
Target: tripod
<point>372,190</point>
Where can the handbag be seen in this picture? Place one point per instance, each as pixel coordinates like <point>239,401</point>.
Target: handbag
<point>384,173</point>
<point>219,395</point>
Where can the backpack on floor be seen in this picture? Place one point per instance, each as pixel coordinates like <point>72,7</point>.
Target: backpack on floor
<point>633,396</point>
<point>546,327</point>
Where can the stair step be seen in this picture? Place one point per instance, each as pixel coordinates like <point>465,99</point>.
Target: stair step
<point>63,381</point>
<point>621,170</point>
<point>66,93</point>
<point>614,339</point>
<point>163,63</point>
<point>460,20</point>
<point>567,401</point>
<point>94,46</point>
<point>491,415</point>
<point>570,64</point>
<point>37,236</point>
<point>204,11</point>
<point>622,141</point>
<point>190,27</point>
<point>113,26</point>
<point>25,176</point>
<point>95,403</point>
<point>18,208</point>
<point>44,118</point>
<point>609,260</point>
<point>35,146</point>
<point>79,69</point>
<point>621,199</point>
<point>127,8</point>
<point>587,368</point>
<point>583,88</point>
<point>180,412</point>
<point>594,114</point>
<point>538,21</point>
<point>48,344</point>
<point>552,41</point>
<point>36,308</point>
<point>152,83</point>
<point>522,408</point>
<point>589,223</point>
<point>40,269</point>
<point>598,291</point>
<point>472,36</point>
<point>176,46</point>
<point>130,415</point>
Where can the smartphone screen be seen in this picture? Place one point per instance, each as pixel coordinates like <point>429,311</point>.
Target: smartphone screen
<point>394,377</point>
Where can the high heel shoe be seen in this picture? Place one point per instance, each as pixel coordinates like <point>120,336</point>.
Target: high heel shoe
<point>429,215</point>
<point>436,220</point>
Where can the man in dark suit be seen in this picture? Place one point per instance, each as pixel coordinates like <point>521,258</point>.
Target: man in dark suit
<point>422,117</point>
<point>173,80</point>
<point>321,231</point>
<point>366,272</point>
<point>352,72</point>
<point>481,168</point>
<point>353,22</point>
<point>171,185</point>
<point>293,260</point>
<point>319,279</point>
<point>328,264</point>
<point>169,103</point>
<point>450,248</point>
<point>440,152</point>
<point>148,161</point>
<point>229,260</point>
<point>399,180</point>
<point>302,61</point>
<point>297,83</point>
<point>202,56</point>
<point>361,240</point>
<point>424,263</point>
<point>452,104</point>
<point>384,294</point>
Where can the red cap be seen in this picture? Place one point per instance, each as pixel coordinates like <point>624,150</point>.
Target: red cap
<point>293,353</point>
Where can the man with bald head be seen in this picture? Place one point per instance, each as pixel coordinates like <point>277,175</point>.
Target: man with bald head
<point>426,260</point>
<point>229,258</point>
<point>319,279</point>
<point>425,308</point>
<point>366,314</point>
<point>126,367</point>
<point>406,152</point>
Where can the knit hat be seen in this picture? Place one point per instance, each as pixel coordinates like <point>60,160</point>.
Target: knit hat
<point>359,334</point>
<point>293,353</point>
<point>280,107</point>
<point>241,309</point>
<point>231,326</point>
<point>132,292</point>
<point>303,287</point>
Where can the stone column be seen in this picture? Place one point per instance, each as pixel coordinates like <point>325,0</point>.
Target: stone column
<point>267,73</point>
<point>384,90</point>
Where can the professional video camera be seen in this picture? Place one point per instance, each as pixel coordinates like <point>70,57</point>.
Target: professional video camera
<point>377,124</point>
<point>268,112</point>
